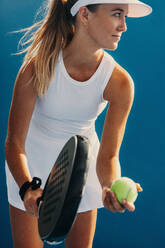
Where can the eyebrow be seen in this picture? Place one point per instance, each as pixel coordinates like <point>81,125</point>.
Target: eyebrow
<point>118,9</point>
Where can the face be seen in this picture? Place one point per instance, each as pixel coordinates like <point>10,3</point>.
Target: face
<point>106,25</point>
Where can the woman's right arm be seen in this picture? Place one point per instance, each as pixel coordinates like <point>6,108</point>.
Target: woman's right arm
<point>22,106</point>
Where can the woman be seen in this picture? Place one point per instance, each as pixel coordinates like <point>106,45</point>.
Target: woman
<point>64,83</point>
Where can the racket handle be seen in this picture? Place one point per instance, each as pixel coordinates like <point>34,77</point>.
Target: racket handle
<point>39,200</point>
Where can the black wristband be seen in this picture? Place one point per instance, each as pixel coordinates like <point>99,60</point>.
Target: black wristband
<point>34,184</point>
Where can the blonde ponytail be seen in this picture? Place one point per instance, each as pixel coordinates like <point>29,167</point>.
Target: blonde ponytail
<point>53,33</point>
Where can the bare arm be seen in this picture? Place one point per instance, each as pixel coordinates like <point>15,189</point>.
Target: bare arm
<point>120,93</point>
<point>23,102</point>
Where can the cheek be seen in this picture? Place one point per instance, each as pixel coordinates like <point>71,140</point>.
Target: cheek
<point>94,28</point>
<point>99,31</point>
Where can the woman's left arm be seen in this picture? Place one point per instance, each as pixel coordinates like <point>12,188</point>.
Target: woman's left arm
<point>120,93</point>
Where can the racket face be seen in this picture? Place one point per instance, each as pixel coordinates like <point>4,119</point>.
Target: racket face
<point>56,188</point>
<point>75,191</point>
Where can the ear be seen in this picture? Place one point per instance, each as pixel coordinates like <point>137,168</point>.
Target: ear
<point>84,14</point>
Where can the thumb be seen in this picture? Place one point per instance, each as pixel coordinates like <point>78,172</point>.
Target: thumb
<point>104,192</point>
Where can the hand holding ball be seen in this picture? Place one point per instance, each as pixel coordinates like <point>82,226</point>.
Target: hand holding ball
<point>125,189</point>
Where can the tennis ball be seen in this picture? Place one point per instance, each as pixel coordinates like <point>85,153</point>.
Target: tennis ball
<point>124,189</point>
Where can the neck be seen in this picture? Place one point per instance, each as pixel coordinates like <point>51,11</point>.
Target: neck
<point>81,52</point>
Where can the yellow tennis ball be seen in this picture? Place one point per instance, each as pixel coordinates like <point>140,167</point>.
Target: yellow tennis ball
<point>124,189</point>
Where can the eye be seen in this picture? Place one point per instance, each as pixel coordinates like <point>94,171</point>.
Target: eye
<point>117,14</point>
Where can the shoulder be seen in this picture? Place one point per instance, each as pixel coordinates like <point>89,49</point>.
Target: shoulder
<point>26,72</point>
<point>24,81</point>
<point>24,92</point>
<point>120,86</point>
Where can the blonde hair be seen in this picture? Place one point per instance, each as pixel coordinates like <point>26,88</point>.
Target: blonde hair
<point>53,32</point>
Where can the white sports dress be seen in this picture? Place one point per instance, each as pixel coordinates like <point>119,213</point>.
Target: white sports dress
<point>68,108</point>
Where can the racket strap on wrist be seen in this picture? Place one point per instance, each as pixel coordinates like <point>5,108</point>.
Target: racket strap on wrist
<point>34,184</point>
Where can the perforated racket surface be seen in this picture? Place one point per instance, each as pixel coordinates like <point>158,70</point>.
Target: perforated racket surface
<point>63,190</point>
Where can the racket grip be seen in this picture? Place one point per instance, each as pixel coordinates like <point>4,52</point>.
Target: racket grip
<point>39,200</point>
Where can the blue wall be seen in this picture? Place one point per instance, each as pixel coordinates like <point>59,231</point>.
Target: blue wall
<point>141,52</point>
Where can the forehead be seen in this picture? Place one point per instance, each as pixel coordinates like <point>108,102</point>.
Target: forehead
<point>113,7</point>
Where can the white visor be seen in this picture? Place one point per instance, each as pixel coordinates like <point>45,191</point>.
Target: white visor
<point>135,7</point>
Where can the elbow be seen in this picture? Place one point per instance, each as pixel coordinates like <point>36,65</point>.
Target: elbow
<point>13,146</point>
<point>7,146</point>
<point>107,154</point>
<point>107,159</point>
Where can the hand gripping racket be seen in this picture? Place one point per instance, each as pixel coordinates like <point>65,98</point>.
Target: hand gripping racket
<point>63,191</point>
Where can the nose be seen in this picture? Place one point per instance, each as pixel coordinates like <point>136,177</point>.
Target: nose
<point>123,26</point>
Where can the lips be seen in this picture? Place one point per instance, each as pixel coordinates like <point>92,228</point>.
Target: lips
<point>118,36</point>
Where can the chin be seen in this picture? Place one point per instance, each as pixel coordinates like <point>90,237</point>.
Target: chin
<point>112,47</point>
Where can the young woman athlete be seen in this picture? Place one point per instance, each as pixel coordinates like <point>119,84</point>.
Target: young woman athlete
<point>64,83</point>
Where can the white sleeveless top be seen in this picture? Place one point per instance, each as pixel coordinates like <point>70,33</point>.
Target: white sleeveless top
<point>68,108</point>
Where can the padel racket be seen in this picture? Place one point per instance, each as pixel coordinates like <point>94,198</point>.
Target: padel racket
<point>63,191</point>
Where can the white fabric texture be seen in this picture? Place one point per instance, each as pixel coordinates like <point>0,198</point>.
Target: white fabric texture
<point>68,108</point>
<point>135,8</point>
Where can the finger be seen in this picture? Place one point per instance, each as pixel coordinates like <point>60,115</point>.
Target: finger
<point>105,191</point>
<point>128,205</point>
<point>31,201</point>
<point>139,188</point>
<point>30,211</point>
<point>117,206</point>
<point>110,201</point>
<point>31,207</point>
<point>33,212</point>
<point>108,204</point>
<point>110,208</point>
<point>106,198</point>
<point>35,208</point>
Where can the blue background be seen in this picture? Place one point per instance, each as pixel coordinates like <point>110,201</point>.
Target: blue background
<point>141,52</point>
